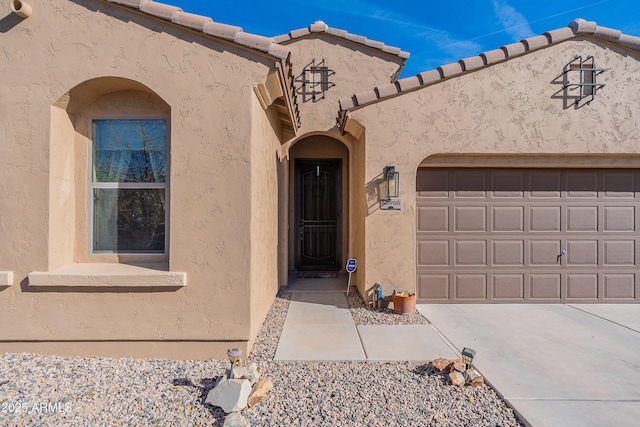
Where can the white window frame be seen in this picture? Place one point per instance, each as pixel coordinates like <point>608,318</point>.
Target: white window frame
<point>125,185</point>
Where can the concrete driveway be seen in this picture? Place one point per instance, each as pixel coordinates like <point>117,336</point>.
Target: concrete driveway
<point>556,365</point>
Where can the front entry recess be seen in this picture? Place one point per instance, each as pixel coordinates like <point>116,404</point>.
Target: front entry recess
<point>318,213</point>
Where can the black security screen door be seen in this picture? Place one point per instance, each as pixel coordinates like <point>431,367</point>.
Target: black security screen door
<point>318,212</point>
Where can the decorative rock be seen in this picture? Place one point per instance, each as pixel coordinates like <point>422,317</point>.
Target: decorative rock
<point>456,378</point>
<point>3,381</point>
<point>259,392</point>
<point>230,395</point>
<point>251,373</point>
<point>235,419</point>
<point>458,365</point>
<point>474,378</point>
<point>440,364</point>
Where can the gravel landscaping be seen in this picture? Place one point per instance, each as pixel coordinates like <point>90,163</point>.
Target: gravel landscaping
<point>80,391</point>
<point>364,315</point>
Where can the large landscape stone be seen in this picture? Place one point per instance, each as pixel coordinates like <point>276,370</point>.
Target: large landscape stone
<point>251,373</point>
<point>458,365</point>
<point>235,419</point>
<point>474,378</point>
<point>457,378</point>
<point>259,392</point>
<point>440,364</point>
<point>230,395</point>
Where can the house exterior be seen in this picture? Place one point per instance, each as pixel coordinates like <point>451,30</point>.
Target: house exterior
<point>162,174</point>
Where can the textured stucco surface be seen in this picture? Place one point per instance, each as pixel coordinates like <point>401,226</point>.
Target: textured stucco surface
<point>6,278</point>
<point>144,66</point>
<point>356,68</point>
<point>511,108</point>
<point>264,215</point>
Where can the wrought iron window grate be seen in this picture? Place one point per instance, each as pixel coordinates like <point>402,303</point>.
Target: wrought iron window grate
<point>315,80</point>
<point>581,75</point>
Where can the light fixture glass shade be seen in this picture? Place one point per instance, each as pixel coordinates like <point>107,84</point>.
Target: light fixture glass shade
<point>468,355</point>
<point>234,354</point>
<point>392,181</point>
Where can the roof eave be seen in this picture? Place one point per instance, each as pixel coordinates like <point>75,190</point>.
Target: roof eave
<point>576,28</point>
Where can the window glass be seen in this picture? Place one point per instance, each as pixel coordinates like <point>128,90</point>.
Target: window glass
<point>129,150</point>
<point>129,185</point>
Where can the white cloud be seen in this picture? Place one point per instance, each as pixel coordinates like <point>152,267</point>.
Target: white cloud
<point>514,23</point>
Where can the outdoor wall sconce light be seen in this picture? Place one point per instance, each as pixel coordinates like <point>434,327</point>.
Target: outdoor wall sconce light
<point>234,354</point>
<point>392,181</point>
<point>20,8</point>
<point>467,356</point>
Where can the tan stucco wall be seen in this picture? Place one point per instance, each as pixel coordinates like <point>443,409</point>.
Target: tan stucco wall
<point>356,67</point>
<point>207,88</point>
<point>264,215</point>
<point>510,108</point>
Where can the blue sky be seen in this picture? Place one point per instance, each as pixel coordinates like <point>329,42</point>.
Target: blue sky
<point>434,32</point>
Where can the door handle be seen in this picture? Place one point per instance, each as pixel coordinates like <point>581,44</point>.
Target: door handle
<point>562,254</point>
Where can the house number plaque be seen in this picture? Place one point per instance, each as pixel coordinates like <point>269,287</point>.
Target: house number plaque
<point>390,205</point>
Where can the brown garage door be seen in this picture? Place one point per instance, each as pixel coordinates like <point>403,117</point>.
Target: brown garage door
<point>527,235</point>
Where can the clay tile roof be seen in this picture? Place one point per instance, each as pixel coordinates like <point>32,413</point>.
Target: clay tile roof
<point>199,23</point>
<point>575,28</point>
<point>321,27</point>
<point>227,32</point>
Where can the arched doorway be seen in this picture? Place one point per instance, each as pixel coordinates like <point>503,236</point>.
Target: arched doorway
<point>319,176</point>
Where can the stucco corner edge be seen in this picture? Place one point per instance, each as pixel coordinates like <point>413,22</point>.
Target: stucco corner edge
<point>6,279</point>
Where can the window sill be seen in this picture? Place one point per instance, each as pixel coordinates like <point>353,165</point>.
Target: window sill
<point>6,279</point>
<point>109,275</point>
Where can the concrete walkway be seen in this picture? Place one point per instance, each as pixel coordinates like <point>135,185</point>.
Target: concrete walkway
<point>319,327</point>
<point>556,365</point>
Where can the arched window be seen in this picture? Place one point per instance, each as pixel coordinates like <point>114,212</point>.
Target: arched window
<point>109,187</point>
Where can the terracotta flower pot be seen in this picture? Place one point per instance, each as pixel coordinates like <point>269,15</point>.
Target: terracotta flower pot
<point>404,305</point>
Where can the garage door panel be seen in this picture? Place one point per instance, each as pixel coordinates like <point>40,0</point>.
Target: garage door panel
<point>528,235</point>
<point>544,286</point>
<point>507,218</point>
<point>619,253</point>
<point>582,184</point>
<point>508,252</point>
<point>471,218</point>
<point>508,287</point>
<point>544,184</point>
<point>433,183</point>
<point>471,183</point>
<point>582,218</point>
<point>544,218</point>
<point>434,287</point>
<point>582,253</point>
<point>619,218</point>
<point>619,185</point>
<point>544,252</point>
<point>619,286</point>
<point>582,286</point>
<point>470,286</point>
<point>507,184</point>
<point>433,218</point>
<point>470,253</point>
<point>433,253</point>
